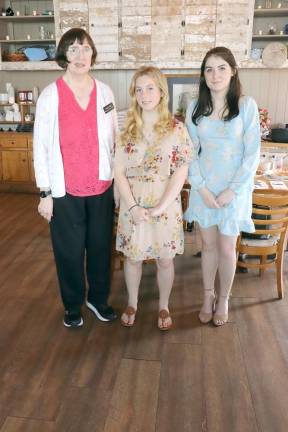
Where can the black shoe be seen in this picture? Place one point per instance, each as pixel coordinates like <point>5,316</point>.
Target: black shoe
<point>102,311</point>
<point>72,319</point>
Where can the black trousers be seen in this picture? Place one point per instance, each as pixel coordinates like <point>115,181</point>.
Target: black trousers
<point>82,226</point>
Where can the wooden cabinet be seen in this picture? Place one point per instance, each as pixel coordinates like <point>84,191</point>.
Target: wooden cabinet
<point>234,26</point>
<point>199,37</point>
<point>15,165</point>
<point>16,162</point>
<point>168,33</point>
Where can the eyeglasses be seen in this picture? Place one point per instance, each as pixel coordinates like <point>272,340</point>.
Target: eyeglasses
<point>74,51</point>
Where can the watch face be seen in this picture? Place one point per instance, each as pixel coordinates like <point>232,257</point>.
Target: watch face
<point>44,194</point>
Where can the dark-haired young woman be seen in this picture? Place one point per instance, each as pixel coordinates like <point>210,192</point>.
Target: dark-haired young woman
<point>74,136</point>
<point>224,128</point>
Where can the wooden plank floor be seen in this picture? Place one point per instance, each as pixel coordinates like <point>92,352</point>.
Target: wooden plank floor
<point>107,378</point>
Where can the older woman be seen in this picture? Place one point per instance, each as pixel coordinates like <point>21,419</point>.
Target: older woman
<point>74,134</point>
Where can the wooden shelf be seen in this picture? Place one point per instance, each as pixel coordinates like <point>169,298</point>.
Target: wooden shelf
<point>24,18</point>
<point>13,122</point>
<point>16,41</point>
<point>270,12</point>
<point>270,37</point>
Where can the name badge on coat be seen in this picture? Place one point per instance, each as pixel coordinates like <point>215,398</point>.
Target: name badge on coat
<point>108,108</point>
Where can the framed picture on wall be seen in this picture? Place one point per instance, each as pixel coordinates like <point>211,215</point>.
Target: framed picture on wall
<point>182,89</point>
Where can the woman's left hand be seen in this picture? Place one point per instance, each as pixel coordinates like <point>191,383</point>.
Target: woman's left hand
<point>155,211</point>
<point>225,197</point>
<point>116,195</point>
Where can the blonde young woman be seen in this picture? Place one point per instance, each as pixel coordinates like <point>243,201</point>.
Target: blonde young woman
<point>151,165</point>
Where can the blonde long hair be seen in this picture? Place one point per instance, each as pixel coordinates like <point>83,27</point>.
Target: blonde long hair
<point>134,122</point>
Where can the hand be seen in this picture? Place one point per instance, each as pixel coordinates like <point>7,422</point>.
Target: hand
<point>45,208</point>
<point>139,214</point>
<point>208,198</point>
<point>225,197</point>
<point>116,195</point>
<point>155,211</point>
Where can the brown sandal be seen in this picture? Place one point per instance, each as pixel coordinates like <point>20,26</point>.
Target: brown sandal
<point>130,312</point>
<point>163,316</point>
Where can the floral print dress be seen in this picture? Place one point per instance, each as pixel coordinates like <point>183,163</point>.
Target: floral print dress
<point>149,166</point>
<point>226,156</point>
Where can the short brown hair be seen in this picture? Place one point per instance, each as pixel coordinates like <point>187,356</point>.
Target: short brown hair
<point>68,38</point>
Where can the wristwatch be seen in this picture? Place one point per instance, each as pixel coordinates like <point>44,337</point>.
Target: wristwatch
<point>45,194</point>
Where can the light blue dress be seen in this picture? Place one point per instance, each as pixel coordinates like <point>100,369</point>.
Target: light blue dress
<point>226,156</point>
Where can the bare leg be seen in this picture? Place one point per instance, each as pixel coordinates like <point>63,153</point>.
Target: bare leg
<point>209,262</point>
<point>165,278</point>
<point>227,267</point>
<point>132,273</point>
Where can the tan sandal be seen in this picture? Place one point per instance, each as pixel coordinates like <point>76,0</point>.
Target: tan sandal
<point>163,316</point>
<point>206,317</point>
<point>130,312</point>
<point>220,319</point>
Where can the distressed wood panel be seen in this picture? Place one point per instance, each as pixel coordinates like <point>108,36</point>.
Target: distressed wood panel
<point>233,26</point>
<point>72,13</point>
<point>204,24</point>
<point>199,29</point>
<point>166,41</point>
<point>200,2</point>
<point>135,7</point>
<point>203,10</point>
<point>135,39</point>
<point>103,27</point>
<point>196,46</point>
<point>168,7</point>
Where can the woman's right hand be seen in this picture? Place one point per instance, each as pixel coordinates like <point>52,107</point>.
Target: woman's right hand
<point>45,208</point>
<point>208,198</point>
<point>139,214</point>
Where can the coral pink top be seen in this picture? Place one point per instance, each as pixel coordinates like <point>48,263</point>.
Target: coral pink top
<point>78,130</point>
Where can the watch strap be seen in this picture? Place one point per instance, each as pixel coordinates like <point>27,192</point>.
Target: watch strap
<point>44,194</point>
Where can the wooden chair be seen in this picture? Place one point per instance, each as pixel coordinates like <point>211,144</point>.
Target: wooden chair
<point>185,192</point>
<point>270,216</point>
<point>116,256</point>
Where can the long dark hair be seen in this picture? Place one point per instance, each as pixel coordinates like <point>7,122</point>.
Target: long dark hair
<point>204,105</point>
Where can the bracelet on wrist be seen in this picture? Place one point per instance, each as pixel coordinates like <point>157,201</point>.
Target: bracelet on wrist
<point>134,205</point>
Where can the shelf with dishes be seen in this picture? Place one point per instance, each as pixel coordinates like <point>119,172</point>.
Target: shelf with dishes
<point>17,41</point>
<point>27,18</point>
<point>26,34</point>
<point>270,33</point>
<point>270,12</point>
<point>19,114</point>
<point>267,37</point>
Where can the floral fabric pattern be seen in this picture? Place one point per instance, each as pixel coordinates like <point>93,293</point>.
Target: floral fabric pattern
<point>149,166</point>
<point>227,158</point>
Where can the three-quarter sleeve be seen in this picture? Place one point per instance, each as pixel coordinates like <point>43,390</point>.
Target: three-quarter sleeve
<point>194,175</point>
<point>251,143</point>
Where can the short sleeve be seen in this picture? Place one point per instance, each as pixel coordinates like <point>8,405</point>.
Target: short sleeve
<point>182,151</point>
